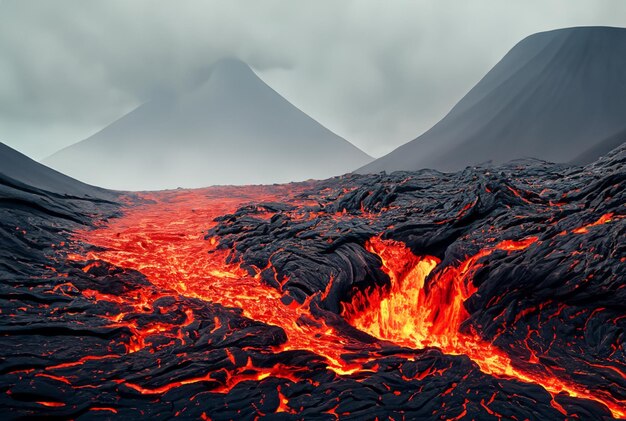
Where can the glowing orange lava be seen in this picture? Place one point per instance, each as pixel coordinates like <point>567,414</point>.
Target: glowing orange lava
<point>416,315</point>
<point>165,240</point>
<point>608,217</point>
<point>410,313</point>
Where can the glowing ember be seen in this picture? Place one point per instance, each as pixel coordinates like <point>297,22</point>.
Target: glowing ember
<point>602,220</point>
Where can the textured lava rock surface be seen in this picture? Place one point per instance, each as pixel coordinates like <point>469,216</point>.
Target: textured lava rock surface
<point>87,339</point>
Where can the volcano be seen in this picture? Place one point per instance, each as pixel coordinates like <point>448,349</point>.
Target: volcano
<point>489,293</point>
<point>558,96</point>
<point>233,129</point>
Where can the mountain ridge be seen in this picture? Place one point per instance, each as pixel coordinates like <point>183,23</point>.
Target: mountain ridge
<point>554,95</point>
<point>17,167</point>
<point>233,129</point>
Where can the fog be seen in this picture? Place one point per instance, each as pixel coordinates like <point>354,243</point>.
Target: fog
<point>376,73</point>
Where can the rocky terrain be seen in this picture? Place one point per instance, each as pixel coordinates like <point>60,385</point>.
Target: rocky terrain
<point>490,293</point>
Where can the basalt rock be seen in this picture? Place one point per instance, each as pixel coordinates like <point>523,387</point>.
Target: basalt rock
<point>123,309</point>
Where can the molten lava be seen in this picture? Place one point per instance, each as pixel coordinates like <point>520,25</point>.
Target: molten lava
<point>165,242</point>
<point>414,314</point>
<point>164,239</point>
<point>411,313</point>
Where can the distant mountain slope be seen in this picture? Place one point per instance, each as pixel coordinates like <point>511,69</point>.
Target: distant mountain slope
<point>600,148</point>
<point>15,166</point>
<point>558,96</point>
<point>234,129</point>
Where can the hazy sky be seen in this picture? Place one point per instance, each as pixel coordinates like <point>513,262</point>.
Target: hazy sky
<point>378,73</point>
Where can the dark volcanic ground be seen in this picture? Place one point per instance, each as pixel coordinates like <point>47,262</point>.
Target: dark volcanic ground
<point>538,250</point>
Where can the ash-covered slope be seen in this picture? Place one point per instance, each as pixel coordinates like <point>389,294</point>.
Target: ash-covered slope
<point>18,169</point>
<point>558,96</point>
<point>234,129</point>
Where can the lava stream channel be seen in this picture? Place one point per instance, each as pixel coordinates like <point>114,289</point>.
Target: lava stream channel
<point>164,240</point>
<point>412,315</point>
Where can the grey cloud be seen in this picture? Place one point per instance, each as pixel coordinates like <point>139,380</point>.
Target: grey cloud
<point>378,73</point>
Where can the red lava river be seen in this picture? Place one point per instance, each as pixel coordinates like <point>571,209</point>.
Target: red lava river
<point>164,238</point>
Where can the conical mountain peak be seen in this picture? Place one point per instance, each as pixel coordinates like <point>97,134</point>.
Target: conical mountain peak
<point>232,129</point>
<point>558,96</point>
<point>231,64</point>
<point>231,69</point>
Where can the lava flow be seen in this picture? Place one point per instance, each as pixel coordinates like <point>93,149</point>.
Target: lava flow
<point>491,293</point>
<point>165,240</point>
<point>413,314</point>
